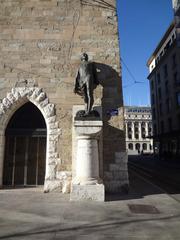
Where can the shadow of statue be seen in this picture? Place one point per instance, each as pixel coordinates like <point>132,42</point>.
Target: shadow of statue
<point>108,95</point>
<point>112,111</point>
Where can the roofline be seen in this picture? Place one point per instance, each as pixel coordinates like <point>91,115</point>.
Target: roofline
<point>170,28</point>
<point>155,68</point>
<point>137,106</point>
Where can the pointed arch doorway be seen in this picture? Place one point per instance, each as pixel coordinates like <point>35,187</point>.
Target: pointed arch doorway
<point>25,148</point>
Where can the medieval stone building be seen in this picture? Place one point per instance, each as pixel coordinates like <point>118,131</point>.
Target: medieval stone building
<point>40,44</point>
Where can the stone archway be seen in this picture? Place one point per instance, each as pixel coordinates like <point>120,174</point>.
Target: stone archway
<point>14,100</point>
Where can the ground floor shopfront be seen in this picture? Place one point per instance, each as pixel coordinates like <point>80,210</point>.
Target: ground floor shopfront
<point>168,146</point>
<point>137,147</point>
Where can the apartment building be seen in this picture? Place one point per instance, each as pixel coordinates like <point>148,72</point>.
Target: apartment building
<point>164,79</point>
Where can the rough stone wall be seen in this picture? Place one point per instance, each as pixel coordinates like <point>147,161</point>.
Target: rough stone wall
<point>40,45</point>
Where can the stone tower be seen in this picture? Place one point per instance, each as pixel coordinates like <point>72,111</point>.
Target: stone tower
<point>40,43</point>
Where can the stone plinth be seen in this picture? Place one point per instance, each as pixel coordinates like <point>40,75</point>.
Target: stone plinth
<point>88,192</point>
<point>86,182</point>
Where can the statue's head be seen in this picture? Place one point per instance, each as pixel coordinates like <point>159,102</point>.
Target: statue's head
<point>84,57</point>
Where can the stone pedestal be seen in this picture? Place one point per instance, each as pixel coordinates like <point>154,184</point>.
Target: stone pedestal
<point>87,192</point>
<point>86,182</point>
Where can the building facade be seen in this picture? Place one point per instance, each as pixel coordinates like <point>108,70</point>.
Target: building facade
<point>164,79</point>
<point>138,125</point>
<point>40,44</point>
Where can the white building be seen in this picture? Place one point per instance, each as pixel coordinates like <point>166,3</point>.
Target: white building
<point>138,125</point>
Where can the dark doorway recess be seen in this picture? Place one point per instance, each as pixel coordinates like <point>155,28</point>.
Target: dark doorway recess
<point>25,148</point>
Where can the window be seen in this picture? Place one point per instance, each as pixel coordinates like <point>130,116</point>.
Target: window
<point>129,125</point>
<point>152,99</point>
<point>175,78</point>
<point>173,37</point>
<point>149,129</point>
<point>178,98</point>
<point>136,129</point>
<point>154,113</point>
<point>159,93</point>
<point>129,136</point>
<point>136,124</point>
<point>144,146</point>
<point>174,63</point>
<point>136,136</point>
<point>168,105</point>
<point>170,124</point>
<point>161,53</point>
<point>160,109</point>
<point>143,132</point>
<point>152,85</point>
<point>149,132</point>
<point>157,60</point>
<point>165,69</point>
<point>168,45</point>
<point>162,127</point>
<point>143,136</point>
<point>167,87</point>
<point>155,129</point>
<point>137,146</point>
<point>158,78</point>
<point>130,146</point>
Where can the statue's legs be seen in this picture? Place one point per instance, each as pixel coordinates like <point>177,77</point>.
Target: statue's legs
<point>90,103</point>
<point>89,99</point>
<point>86,100</point>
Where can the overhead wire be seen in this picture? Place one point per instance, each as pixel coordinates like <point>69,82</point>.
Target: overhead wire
<point>131,74</point>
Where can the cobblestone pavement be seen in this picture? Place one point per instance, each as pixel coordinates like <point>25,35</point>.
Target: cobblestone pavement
<point>145,213</point>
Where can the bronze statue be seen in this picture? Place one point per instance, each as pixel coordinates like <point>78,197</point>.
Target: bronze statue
<point>86,82</point>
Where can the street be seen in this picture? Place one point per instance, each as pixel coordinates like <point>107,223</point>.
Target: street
<point>164,174</point>
<point>145,213</point>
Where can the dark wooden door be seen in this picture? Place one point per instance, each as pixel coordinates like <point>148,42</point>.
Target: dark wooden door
<point>9,164</point>
<point>19,160</point>
<point>32,159</point>
<point>24,162</point>
<point>41,161</point>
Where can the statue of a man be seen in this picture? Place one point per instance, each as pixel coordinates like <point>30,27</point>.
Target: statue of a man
<point>86,81</point>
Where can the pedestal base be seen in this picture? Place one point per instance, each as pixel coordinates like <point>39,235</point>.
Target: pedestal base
<point>88,192</point>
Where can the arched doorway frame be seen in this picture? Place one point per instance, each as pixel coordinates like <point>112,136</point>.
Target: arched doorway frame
<point>13,101</point>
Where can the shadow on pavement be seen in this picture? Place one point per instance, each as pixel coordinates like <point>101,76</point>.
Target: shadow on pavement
<point>162,173</point>
<point>71,232</point>
<point>160,177</point>
<point>138,188</point>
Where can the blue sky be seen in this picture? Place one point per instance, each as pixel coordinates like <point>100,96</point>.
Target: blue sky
<point>142,24</point>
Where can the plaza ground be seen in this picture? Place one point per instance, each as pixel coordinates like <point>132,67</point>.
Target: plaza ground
<point>145,213</point>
